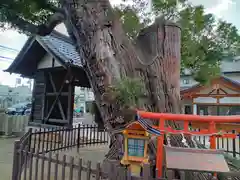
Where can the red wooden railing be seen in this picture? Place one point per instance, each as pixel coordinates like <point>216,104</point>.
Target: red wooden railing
<point>186,119</point>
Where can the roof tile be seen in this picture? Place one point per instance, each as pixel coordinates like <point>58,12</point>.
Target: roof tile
<point>62,48</point>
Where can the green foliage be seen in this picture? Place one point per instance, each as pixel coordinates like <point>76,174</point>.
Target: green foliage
<point>131,22</point>
<point>133,17</point>
<point>128,91</point>
<point>19,13</point>
<point>205,40</point>
<point>206,73</point>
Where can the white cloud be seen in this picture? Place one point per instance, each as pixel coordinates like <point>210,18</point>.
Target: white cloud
<point>62,29</point>
<point>14,40</point>
<point>221,8</point>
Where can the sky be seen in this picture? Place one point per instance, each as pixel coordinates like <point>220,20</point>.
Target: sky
<point>223,9</point>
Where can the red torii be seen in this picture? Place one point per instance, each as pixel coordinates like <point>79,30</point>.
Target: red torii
<point>186,118</point>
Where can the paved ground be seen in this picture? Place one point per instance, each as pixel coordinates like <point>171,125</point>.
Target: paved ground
<point>86,119</point>
<point>6,158</point>
<point>93,153</point>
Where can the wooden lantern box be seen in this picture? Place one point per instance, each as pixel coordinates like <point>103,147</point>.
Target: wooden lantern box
<point>136,140</point>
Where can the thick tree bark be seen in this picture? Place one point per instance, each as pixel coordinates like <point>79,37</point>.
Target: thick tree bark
<point>159,46</point>
<point>108,55</point>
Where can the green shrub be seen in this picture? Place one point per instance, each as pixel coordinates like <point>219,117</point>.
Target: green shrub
<point>128,92</point>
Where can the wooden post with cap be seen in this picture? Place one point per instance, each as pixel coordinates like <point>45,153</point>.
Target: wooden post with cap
<point>212,130</point>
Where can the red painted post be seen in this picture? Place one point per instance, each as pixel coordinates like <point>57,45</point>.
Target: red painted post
<point>159,163</point>
<point>212,130</point>
<point>185,126</point>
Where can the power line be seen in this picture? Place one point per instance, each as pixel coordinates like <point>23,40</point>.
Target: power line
<point>8,48</point>
<point>4,60</point>
<point>7,58</point>
<point>5,51</point>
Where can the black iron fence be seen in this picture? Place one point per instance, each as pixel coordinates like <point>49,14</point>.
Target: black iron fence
<point>44,140</point>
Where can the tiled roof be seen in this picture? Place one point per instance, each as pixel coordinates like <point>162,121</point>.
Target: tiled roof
<point>184,88</point>
<point>229,65</point>
<point>61,46</point>
<point>187,89</point>
<point>232,80</point>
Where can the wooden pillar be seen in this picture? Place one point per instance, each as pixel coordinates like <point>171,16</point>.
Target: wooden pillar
<point>70,101</point>
<point>44,99</point>
<point>212,129</point>
<point>33,101</point>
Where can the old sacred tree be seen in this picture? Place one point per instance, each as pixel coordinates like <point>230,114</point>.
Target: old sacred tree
<point>132,62</point>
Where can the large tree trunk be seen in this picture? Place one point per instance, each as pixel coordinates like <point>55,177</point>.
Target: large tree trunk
<point>108,55</point>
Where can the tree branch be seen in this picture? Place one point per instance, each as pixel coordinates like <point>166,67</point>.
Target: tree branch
<point>54,8</point>
<point>43,29</point>
<point>28,25</point>
<point>53,21</point>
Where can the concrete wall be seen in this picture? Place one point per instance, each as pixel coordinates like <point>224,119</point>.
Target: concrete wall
<point>17,95</point>
<point>13,125</point>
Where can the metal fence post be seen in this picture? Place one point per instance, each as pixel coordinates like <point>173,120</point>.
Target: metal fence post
<point>78,137</point>
<point>30,139</point>
<point>234,145</point>
<point>15,167</point>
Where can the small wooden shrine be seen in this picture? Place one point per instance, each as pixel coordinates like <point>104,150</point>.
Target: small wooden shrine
<point>56,68</point>
<point>220,97</point>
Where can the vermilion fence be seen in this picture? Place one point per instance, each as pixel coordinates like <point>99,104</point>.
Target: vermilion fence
<point>229,145</point>
<point>211,131</point>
